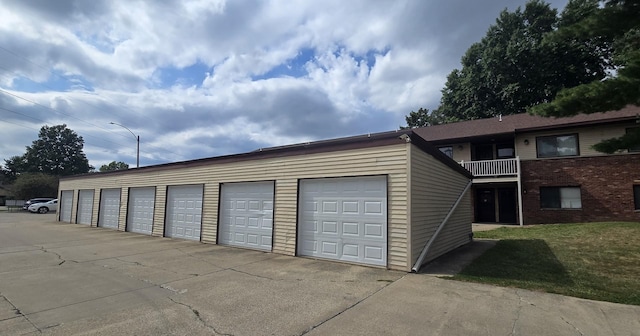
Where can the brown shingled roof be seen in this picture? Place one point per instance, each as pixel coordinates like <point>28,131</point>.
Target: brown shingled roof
<point>519,123</point>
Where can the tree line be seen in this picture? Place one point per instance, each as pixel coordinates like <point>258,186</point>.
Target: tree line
<point>57,152</point>
<point>585,59</point>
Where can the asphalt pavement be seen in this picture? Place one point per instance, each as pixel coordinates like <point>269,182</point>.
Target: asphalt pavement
<point>68,279</point>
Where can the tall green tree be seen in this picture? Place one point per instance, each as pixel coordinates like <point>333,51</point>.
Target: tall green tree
<point>114,166</point>
<point>57,152</point>
<point>616,23</point>
<point>12,168</point>
<point>31,185</point>
<point>424,118</point>
<point>515,67</point>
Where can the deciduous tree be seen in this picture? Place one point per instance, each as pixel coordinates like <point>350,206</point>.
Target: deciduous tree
<point>31,185</point>
<point>515,67</point>
<point>617,25</point>
<point>423,118</point>
<point>57,151</point>
<point>114,166</point>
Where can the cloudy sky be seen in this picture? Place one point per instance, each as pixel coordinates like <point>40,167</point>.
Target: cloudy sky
<point>202,78</point>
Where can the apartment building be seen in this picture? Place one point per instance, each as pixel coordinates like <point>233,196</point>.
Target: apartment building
<point>533,170</point>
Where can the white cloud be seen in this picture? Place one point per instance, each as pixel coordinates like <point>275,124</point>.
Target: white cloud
<point>371,62</point>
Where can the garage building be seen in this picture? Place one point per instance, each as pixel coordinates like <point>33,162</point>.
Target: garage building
<point>387,200</point>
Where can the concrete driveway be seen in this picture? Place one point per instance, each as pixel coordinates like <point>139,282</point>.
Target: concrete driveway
<point>63,279</point>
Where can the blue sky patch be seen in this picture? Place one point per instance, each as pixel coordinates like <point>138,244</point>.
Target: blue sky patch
<point>292,68</point>
<point>188,76</point>
<point>55,82</point>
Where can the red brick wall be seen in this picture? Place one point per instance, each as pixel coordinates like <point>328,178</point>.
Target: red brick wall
<point>606,185</point>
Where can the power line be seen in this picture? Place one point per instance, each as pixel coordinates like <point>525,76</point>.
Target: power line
<point>76,118</point>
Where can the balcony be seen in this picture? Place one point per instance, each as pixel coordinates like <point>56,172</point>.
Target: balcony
<point>492,168</point>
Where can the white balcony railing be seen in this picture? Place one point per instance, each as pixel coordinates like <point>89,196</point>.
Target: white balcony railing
<point>501,167</point>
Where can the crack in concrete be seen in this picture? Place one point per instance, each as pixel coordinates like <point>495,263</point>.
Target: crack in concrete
<point>606,318</point>
<point>57,254</point>
<point>571,324</point>
<point>518,311</point>
<point>19,312</point>
<point>93,299</point>
<point>163,286</point>
<point>199,317</point>
<point>349,308</point>
<point>253,275</point>
<point>147,266</point>
<point>131,262</point>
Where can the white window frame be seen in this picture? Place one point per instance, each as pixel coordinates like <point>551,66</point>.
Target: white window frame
<point>570,198</point>
<point>540,139</point>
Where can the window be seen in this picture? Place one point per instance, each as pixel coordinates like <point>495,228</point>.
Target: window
<point>447,150</point>
<point>560,198</point>
<point>634,130</point>
<point>557,145</point>
<point>482,152</point>
<point>636,196</point>
<point>505,151</point>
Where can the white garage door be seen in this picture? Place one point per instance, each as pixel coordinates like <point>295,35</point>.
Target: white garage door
<point>109,208</point>
<point>344,219</point>
<point>65,204</point>
<point>184,212</point>
<point>85,207</point>
<point>140,210</point>
<point>246,215</point>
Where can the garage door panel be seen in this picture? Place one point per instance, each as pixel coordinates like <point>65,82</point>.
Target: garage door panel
<point>141,209</point>
<point>66,205</point>
<point>373,230</point>
<point>247,215</point>
<point>184,212</point>
<point>85,207</point>
<point>330,228</point>
<point>350,229</point>
<point>344,219</point>
<point>109,208</point>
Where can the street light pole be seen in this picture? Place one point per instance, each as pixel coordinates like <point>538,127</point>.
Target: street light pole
<point>137,142</point>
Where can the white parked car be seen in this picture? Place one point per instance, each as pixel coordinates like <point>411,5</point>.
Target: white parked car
<point>43,208</point>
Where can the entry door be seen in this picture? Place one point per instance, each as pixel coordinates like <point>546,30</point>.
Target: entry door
<point>85,207</point>
<point>109,208</point>
<point>507,205</point>
<point>66,204</point>
<point>140,210</point>
<point>485,205</point>
<point>482,152</point>
<point>246,215</point>
<point>344,219</point>
<point>184,212</point>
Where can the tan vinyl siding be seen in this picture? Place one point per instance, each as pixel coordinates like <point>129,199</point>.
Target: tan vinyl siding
<point>210,205</point>
<point>462,154</point>
<point>461,151</point>
<point>74,207</point>
<point>434,189</point>
<point>286,171</point>
<point>587,137</point>
<point>285,214</point>
<point>124,201</point>
<point>159,210</point>
<point>96,207</point>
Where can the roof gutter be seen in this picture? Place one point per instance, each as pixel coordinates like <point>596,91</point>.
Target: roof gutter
<point>425,250</point>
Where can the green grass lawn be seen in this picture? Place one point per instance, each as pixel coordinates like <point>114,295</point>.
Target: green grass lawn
<point>598,261</point>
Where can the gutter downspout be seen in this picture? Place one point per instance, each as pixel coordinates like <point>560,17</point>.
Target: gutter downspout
<point>423,254</point>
